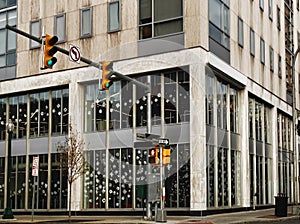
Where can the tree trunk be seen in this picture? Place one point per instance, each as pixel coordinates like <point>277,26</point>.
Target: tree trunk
<point>70,200</point>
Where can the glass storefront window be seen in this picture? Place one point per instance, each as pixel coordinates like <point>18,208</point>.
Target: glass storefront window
<point>178,177</point>
<point>59,184</point>
<point>126,104</point>
<point>20,191</point>
<point>22,118</point>
<point>115,106</point>
<point>260,156</point>
<point>41,189</point>
<point>209,100</point>
<point>120,178</point>
<point>258,121</point>
<point>285,158</point>
<point>141,177</point>
<point>221,99</point>
<point>39,113</point>
<point>13,111</point>
<point>234,113</point>
<point>34,114</point>
<point>174,100</point>
<point>221,105</point>
<point>2,180</point>
<point>2,118</point>
<point>44,113</point>
<point>60,111</point>
<point>94,180</point>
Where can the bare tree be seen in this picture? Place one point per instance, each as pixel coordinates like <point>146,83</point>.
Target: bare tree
<point>72,159</point>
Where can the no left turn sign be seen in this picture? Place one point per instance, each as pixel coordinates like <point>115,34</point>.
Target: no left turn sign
<point>74,54</point>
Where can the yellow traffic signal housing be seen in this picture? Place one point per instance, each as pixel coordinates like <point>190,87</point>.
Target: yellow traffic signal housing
<point>49,60</point>
<point>106,70</point>
<point>166,153</point>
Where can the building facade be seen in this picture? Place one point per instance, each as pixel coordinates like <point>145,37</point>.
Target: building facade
<point>221,78</point>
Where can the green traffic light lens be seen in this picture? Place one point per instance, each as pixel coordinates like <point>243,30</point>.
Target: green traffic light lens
<point>107,85</point>
<point>49,63</point>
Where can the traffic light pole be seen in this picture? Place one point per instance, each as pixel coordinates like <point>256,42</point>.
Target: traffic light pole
<point>39,40</point>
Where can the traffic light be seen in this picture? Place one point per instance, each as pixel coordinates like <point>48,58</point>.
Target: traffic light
<point>154,156</point>
<point>166,153</point>
<point>49,50</point>
<point>106,70</point>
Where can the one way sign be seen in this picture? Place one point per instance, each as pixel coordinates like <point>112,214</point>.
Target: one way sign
<point>163,141</point>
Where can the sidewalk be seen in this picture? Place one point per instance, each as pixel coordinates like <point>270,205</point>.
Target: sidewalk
<point>257,216</point>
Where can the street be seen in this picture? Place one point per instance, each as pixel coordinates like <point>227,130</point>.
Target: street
<point>281,221</point>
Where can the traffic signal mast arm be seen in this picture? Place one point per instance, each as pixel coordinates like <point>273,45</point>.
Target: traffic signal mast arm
<point>113,75</point>
<point>39,40</point>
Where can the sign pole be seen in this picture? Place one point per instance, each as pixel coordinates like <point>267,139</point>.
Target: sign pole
<point>35,173</point>
<point>33,198</point>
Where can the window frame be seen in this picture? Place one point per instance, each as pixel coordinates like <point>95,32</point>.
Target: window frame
<point>221,28</point>
<point>7,51</point>
<point>31,42</point>
<point>90,33</point>
<point>262,51</point>
<point>147,29</point>
<point>270,9</point>
<point>271,59</point>
<point>62,40</point>
<point>261,5</point>
<point>278,18</point>
<point>252,42</point>
<point>279,66</point>
<point>109,20</point>
<point>240,32</point>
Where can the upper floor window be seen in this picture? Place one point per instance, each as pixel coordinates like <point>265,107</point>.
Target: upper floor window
<point>279,67</point>
<point>271,9</point>
<point>219,21</point>
<point>86,22</point>
<point>262,51</point>
<point>240,32</point>
<point>252,42</point>
<point>8,38</point>
<point>7,3</point>
<point>278,18</point>
<point>114,16</point>
<point>159,18</point>
<point>60,27</point>
<point>2,118</point>
<point>35,30</point>
<point>261,5</point>
<point>271,59</point>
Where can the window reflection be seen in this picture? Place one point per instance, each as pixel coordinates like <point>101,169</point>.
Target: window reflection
<point>39,113</point>
<point>114,106</point>
<point>22,119</point>
<point>60,111</point>
<point>59,184</point>
<point>172,97</point>
<point>13,111</point>
<point>2,178</point>
<point>44,113</point>
<point>2,118</point>
<point>34,114</point>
